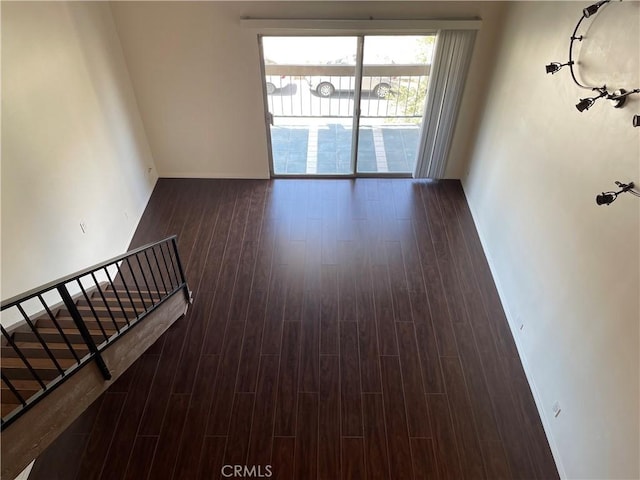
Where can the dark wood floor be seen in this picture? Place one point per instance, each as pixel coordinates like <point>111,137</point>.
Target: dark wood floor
<point>340,329</point>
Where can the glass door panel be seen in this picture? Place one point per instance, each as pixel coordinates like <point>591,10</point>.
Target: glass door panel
<point>310,85</point>
<point>395,76</point>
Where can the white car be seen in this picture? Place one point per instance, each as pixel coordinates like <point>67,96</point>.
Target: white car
<point>325,85</point>
<point>276,82</point>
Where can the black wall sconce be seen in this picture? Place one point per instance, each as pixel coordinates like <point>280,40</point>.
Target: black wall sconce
<point>618,97</point>
<point>607,198</point>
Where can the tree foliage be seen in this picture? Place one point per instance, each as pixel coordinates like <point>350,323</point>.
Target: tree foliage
<point>410,94</point>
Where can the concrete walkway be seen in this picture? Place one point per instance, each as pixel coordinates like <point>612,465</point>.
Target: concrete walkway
<point>326,149</point>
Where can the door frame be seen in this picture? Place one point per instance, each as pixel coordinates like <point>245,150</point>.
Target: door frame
<point>353,28</point>
<point>355,114</point>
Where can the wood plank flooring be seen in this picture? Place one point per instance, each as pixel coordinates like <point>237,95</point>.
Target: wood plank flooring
<point>341,329</point>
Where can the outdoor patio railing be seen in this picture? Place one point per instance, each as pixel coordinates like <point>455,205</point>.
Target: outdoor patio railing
<point>293,90</point>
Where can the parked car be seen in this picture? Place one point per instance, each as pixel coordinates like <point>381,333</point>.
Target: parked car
<point>276,82</point>
<point>325,85</point>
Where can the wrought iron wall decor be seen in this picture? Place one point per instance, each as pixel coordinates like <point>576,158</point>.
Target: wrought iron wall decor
<point>617,97</point>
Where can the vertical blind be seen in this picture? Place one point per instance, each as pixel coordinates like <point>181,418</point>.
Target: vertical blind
<point>448,76</point>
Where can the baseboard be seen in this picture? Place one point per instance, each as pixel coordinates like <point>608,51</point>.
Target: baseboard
<point>523,358</point>
<point>215,175</point>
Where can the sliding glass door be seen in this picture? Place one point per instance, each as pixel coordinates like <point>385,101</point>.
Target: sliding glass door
<point>395,75</point>
<point>309,85</point>
<point>341,106</point>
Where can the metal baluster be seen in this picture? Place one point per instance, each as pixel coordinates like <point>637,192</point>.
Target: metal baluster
<point>181,270</point>
<point>124,312</point>
<point>40,339</point>
<point>22,357</point>
<point>153,277</point>
<point>113,319</point>
<point>13,389</point>
<point>82,328</point>
<point>135,282</point>
<point>106,337</point>
<point>290,101</point>
<point>166,266</point>
<point>173,264</point>
<point>55,322</point>
<point>389,101</point>
<point>393,101</point>
<point>339,92</point>
<point>155,256</point>
<point>144,277</point>
<point>386,100</point>
<point>299,93</point>
<point>310,101</point>
<point>328,98</point>
<point>406,101</point>
<point>126,289</point>
<point>378,100</point>
<point>168,274</point>
<point>174,261</point>
<point>421,107</point>
<point>281,100</point>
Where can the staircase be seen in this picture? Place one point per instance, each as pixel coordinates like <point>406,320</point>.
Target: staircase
<point>77,335</point>
<point>63,340</point>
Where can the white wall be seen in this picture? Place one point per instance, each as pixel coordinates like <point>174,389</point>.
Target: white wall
<point>197,79</point>
<point>567,269</point>
<point>73,144</point>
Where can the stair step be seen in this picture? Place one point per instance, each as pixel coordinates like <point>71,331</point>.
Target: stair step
<point>87,314</point>
<point>46,375</point>
<point>70,332</point>
<point>36,363</point>
<point>51,335</point>
<point>7,408</point>
<point>54,347</point>
<point>26,393</point>
<point>17,372</point>
<point>15,369</point>
<point>22,373</point>
<point>26,389</point>
<point>36,351</point>
<point>149,298</point>
<point>67,323</point>
<point>101,311</point>
<point>112,301</point>
<point>21,385</point>
<point>134,292</point>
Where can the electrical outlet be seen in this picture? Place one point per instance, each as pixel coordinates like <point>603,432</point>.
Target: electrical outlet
<point>556,409</point>
<point>83,226</point>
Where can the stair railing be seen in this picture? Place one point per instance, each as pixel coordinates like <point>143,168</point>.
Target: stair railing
<point>83,314</point>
